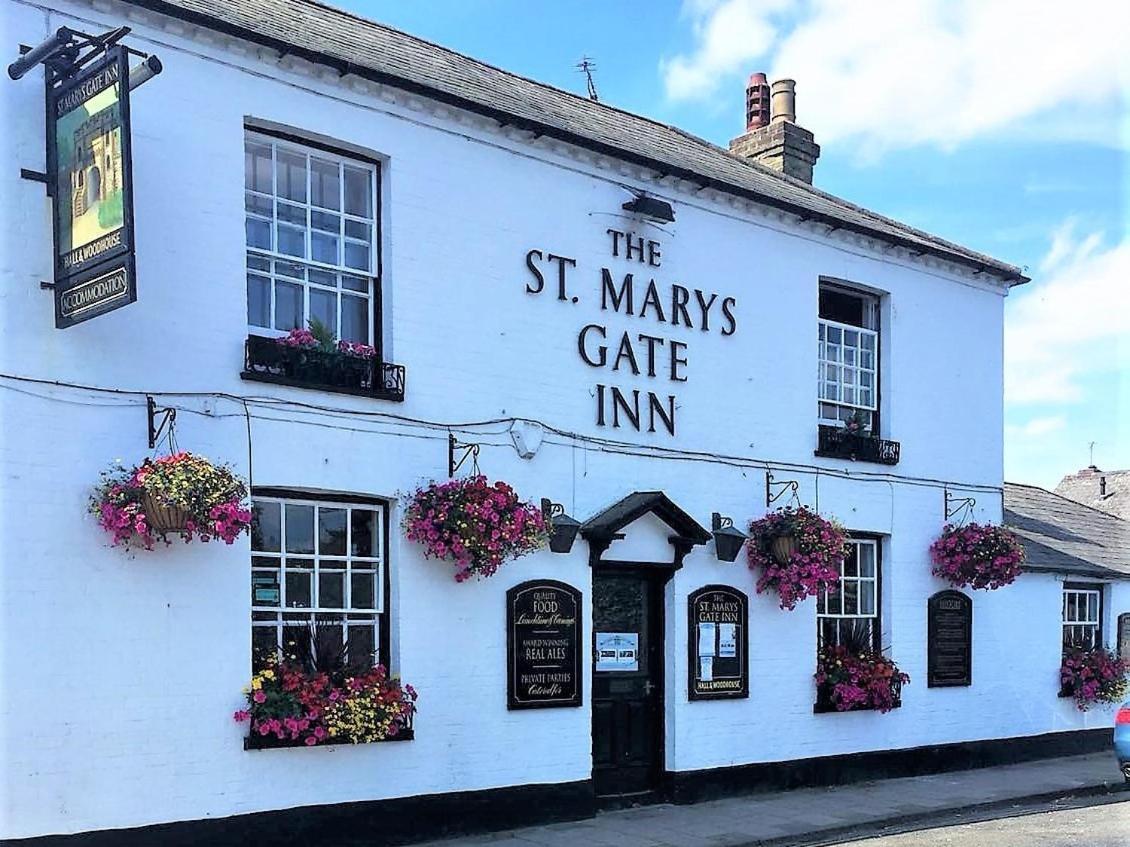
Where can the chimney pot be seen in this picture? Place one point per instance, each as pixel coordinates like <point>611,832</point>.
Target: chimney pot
<point>756,102</point>
<point>784,101</point>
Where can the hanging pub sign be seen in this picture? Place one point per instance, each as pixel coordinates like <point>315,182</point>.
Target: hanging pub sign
<point>949,640</point>
<point>89,169</point>
<point>543,645</point>
<point>719,643</point>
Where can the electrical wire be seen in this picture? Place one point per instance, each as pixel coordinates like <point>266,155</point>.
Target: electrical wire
<point>570,439</point>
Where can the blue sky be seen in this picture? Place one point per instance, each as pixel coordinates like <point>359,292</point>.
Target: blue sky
<point>976,120</point>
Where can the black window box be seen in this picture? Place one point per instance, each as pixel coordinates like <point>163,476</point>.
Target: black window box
<point>824,702</point>
<point>268,361</point>
<point>271,742</point>
<point>835,443</point>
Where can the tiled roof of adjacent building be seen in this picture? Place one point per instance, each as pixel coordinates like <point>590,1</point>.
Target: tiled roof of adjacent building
<point>351,44</point>
<point>1108,491</point>
<point>1063,536</point>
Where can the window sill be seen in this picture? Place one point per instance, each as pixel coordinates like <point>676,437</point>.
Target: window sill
<point>259,742</point>
<point>268,361</point>
<point>833,443</point>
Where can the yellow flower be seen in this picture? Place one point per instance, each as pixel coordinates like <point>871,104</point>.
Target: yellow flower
<point>256,684</point>
<point>268,674</point>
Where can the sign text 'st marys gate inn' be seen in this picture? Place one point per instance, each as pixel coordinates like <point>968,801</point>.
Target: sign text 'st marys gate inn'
<point>636,353</point>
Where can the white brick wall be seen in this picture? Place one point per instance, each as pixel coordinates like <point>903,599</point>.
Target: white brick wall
<point>118,673</point>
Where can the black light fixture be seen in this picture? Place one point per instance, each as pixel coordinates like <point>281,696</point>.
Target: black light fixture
<point>563,528</point>
<point>650,208</point>
<point>728,540</point>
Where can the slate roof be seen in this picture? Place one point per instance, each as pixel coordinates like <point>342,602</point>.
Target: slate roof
<point>1086,487</point>
<point>351,44</point>
<point>1063,536</point>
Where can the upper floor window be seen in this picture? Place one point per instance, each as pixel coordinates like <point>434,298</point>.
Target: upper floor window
<point>1082,616</point>
<point>311,240</point>
<point>848,381</point>
<point>850,615</point>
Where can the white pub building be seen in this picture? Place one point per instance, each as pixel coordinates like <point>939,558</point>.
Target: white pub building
<point>601,310</point>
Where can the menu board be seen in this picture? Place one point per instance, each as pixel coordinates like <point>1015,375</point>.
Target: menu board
<point>543,645</point>
<point>949,645</point>
<point>718,641</point>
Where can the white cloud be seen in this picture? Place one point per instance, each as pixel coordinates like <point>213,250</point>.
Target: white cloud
<point>887,75</point>
<point>1073,323</point>
<point>1037,428</point>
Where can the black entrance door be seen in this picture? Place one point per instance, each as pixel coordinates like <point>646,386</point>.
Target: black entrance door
<point>627,699</point>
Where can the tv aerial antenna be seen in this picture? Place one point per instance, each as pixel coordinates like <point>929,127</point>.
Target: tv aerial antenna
<point>587,66</point>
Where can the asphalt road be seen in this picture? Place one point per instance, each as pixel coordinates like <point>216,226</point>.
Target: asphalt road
<point>1104,825</point>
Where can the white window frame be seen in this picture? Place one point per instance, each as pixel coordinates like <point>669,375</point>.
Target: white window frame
<point>830,604</point>
<point>350,564</point>
<point>277,260</point>
<point>843,352</point>
<point>1082,616</point>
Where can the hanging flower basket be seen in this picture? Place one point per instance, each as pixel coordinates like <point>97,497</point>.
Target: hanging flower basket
<point>797,552</point>
<point>1093,676</point>
<point>182,494</point>
<point>475,524</point>
<point>977,555</point>
<point>849,680</point>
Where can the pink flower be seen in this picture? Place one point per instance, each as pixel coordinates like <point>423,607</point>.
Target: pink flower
<point>259,697</point>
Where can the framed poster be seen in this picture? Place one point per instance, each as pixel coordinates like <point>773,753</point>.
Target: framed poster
<point>90,176</point>
<point>543,645</point>
<point>718,641</point>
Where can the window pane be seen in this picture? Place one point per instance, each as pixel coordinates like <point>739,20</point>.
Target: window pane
<point>288,306</point>
<point>258,233</point>
<point>323,307</point>
<point>362,643</point>
<point>298,590</point>
<point>355,283</point>
<point>264,645</point>
<point>357,255</point>
<point>265,588</point>
<point>292,241</point>
<point>331,532</point>
<point>851,597</point>
<point>257,167</point>
<point>324,248</point>
<point>362,586</point>
<point>258,300</point>
<point>365,533</point>
<point>265,527</point>
<point>299,529</point>
<point>325,184</point>
<point>358,230</point>
<point>291,172</point>
<point>866,555</point>
<point>1092,608</point>
<point>355,318</point>
<point>867,598</point>
<point>292,214</point>
<point>358,192</point>
<point>331,590</point>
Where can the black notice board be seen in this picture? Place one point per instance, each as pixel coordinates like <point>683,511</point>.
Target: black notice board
<point>949,640</point>
<point>543,645</point>
<point>718,642</point>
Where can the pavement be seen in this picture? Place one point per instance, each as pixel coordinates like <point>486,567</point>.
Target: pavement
<point>830,815</point>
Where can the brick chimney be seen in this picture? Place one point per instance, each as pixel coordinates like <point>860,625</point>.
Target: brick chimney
<point>772,136</point>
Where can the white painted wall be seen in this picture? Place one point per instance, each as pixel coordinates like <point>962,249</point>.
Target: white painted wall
<point>118,673</point>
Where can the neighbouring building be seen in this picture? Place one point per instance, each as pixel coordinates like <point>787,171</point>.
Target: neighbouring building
<point>599,309</point>
<point>1108,491</point>
<point>1088,549</point>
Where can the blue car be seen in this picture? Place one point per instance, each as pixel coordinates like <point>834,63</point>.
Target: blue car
<point>1122,739</point>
